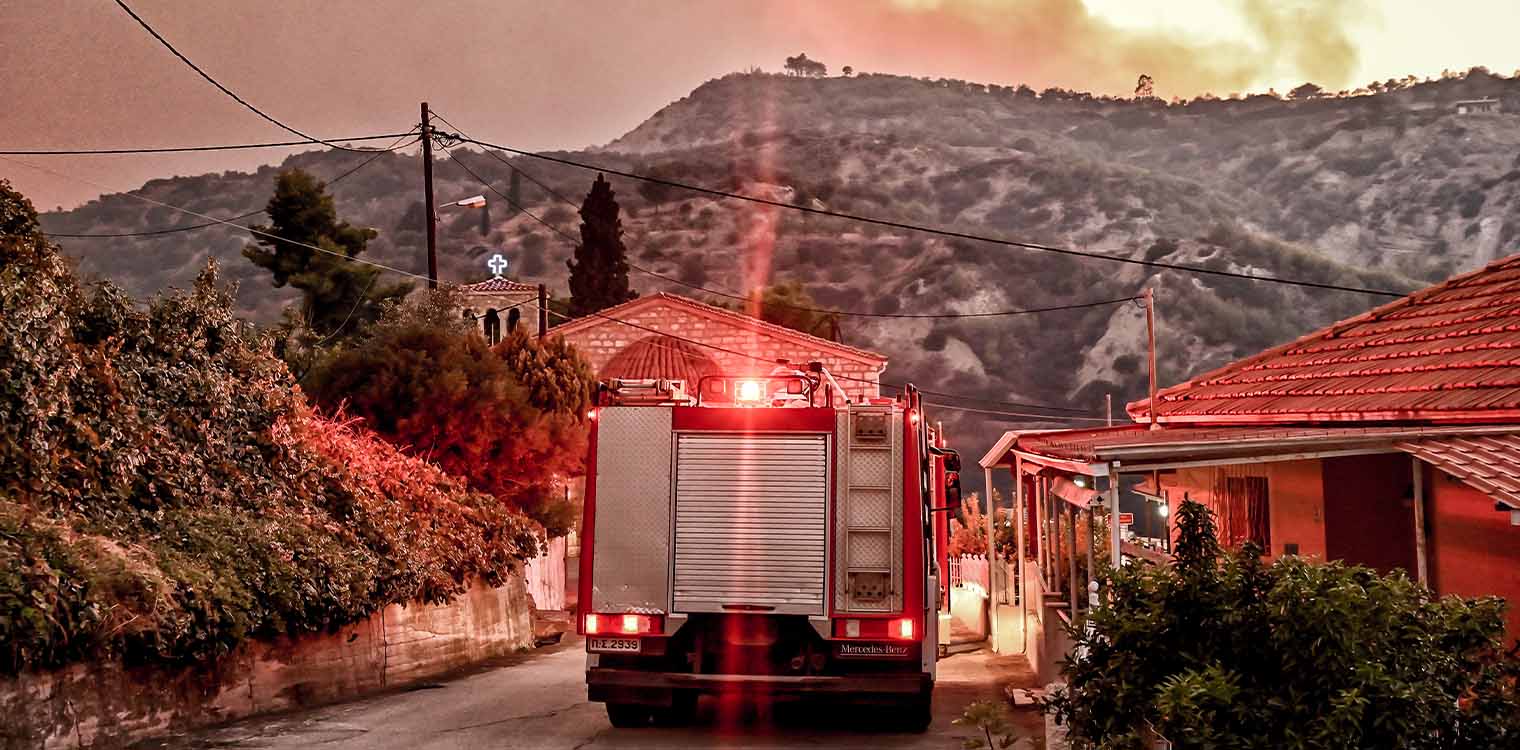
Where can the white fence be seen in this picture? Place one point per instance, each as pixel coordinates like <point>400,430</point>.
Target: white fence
<point>970,569</point>
<point>545,575</point>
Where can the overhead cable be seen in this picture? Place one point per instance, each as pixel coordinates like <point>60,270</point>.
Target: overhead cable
<point>229,92</point>
<point>192,227</point>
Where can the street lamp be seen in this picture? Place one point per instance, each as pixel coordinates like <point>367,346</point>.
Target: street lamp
<point>474,201</point>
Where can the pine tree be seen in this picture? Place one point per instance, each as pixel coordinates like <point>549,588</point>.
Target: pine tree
<point>599,270</point>
<point>339,295</point>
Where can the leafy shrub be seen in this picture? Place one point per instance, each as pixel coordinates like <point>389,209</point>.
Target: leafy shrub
<point>511,421</point>
<point>1221,651</point>
<point>165,493</point>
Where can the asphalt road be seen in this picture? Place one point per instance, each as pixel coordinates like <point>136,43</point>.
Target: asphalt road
<point>539,701</point>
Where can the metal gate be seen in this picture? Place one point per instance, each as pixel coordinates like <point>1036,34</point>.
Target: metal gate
<point>751,527</point>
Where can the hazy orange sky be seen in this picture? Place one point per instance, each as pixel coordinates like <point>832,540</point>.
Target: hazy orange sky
<point>80,73</point>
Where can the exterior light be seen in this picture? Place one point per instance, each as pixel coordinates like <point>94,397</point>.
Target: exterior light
<point>593,624</point>
<point>630,623</point>
<point>852,628</point>
<point>591,414</point>
<point>913,416</point>
<point>474,201</point>
<point>1163,509</point>
<point>1080,480</point>
<point>903,629</point>
<point>749,390</point>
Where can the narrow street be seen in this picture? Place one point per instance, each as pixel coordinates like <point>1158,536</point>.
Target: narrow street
<point>539,701</point>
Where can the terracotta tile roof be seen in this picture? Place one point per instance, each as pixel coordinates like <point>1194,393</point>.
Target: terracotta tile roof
<point>623,311</point>
<point>498,284</point>
<point>1446,354</point>
<point>657,356</point>
<point>1487,463</point>
<point>1134,442</point>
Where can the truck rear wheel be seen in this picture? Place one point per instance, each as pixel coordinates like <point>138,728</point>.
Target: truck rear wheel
<point>628,715</point>
<point>918,712</point>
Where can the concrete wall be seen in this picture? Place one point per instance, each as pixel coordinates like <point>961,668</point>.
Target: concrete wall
<point>1474,551</point>
<point>1296,500</point>
<point>106,704</point>
<point>600,343</point>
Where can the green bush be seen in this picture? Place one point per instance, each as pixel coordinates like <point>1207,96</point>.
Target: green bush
<point>1221,651</point>
<point>165,493</point>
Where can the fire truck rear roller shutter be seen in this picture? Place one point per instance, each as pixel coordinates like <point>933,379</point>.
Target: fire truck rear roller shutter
<point>751,522</point>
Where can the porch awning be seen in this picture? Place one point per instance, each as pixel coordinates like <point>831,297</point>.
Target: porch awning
<point>1067,490</point>
<point>1487,463</point>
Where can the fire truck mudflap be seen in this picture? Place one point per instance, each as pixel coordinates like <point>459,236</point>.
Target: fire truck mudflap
<point>770,549</point>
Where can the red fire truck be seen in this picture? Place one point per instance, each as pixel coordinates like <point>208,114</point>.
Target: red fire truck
<point>762,538</point>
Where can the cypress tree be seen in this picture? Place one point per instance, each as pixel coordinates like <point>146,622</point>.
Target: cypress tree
<point>599,270</point>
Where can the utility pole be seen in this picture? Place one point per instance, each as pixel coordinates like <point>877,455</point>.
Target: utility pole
<point>1150,334</point>
<point>427,197</point>
<point>543,309</point>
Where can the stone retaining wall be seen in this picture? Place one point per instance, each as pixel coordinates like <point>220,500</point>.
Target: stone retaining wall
<point>107,705</point>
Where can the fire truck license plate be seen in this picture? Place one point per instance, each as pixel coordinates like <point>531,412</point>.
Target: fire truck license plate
<point>617,645</point>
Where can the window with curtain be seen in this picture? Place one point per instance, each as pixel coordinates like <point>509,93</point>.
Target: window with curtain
<point>1242,509</point>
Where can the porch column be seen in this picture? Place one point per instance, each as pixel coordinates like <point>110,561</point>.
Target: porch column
<point>1019,513</point>
<point>992,587</point>
<point>1115,557</point>
<point>1020,509</point>
<point>1071,537</point>
<point>1421,566</point>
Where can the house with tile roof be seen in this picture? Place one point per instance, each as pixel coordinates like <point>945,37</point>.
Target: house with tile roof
<point>1391,439</point>
<point>665,335</point>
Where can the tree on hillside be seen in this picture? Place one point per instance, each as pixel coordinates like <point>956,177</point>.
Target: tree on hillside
<point>339,296</point>
<point>599,270</point>
<point>509,420</point>
<point>1306,91</point>
<point>789,304</point>
<point>847,71</point>
<point>656,193</point>
<point>802,66</point>
<point>1145,87</point>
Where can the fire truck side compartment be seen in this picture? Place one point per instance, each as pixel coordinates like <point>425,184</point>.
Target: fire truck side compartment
<point>631,563</point>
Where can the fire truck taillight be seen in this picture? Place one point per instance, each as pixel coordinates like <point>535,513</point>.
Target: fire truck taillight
<point>622,624</point>
<point>591,414</point>
<point>903,629</point>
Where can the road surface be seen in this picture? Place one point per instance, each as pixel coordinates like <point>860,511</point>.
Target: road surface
<point>539,701</point>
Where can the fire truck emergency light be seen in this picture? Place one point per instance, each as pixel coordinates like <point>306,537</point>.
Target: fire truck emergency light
<point>749,390</point>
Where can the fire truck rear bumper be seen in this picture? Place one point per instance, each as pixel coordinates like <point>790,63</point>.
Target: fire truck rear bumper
<point>658,688</point>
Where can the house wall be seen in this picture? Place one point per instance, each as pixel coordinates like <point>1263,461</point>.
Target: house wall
<point>599,343</point>
<point>1369,511</point>
<point>1295,497</point>
<point>1472,548</point>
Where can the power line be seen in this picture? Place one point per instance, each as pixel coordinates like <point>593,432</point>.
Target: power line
<point>240,217</point>
<point>421,277</point>
<point>215,220</point>
<point>193,149</point>
<point>953,234</point>
<point>229,92</point>
<point>742,298</point>
<point>841,376</point>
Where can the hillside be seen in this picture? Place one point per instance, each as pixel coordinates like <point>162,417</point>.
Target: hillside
<point>1388,191</point>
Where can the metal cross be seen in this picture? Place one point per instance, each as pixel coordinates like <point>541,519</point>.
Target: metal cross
<point>497,264</point>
